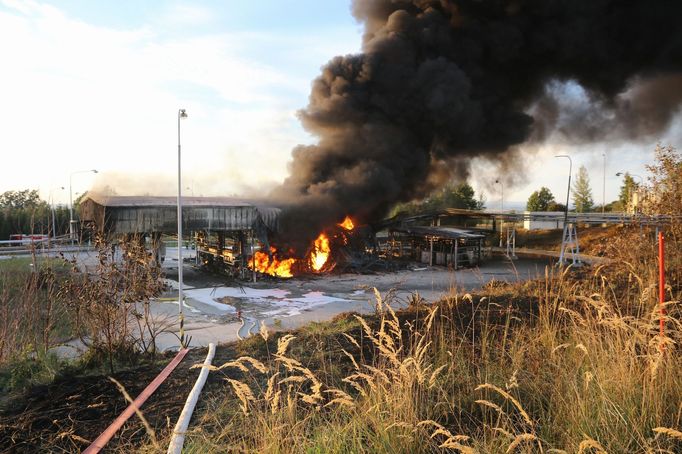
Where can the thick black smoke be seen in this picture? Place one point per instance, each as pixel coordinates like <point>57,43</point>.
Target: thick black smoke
<point>439,82</point>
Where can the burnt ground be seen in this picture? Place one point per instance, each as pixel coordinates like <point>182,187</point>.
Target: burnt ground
<point>66,415</point>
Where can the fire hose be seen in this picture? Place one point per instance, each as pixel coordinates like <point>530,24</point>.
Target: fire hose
<point>178,439</point>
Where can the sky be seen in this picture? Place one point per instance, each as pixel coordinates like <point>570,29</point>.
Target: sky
<point>97,85</point>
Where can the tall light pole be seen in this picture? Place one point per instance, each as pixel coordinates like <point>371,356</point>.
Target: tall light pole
<point>641,180</point>
<point>498,181</point>
<point>181,114</point>
<point>71,221</point>
<point>603,187</point>
<point>568,191</point>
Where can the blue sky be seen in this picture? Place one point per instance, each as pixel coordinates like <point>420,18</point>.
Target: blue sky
<point>95,84</point>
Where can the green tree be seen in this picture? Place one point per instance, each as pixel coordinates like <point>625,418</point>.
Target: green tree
<point>27,198</point>
<point>629,187</point>
<point>556,206</point>
<point>451,196</point>
<point>23,212</point>
<point>582,192</point>
<point>540,200</point>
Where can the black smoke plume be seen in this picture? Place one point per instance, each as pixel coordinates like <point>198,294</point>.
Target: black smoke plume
<point>439,82</point>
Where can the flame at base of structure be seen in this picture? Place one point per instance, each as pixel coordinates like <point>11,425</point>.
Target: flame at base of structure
<point>270,264</point>
<point>319,259</point>
<point>320,253</point>
<point>347,224</point>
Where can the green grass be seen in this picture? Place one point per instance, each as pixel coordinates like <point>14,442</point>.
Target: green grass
<point>24,264</point>
<point>29,306</point>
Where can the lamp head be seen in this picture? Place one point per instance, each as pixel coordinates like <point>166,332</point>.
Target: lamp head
<point>619,174</point>
<point>182,113</point>
<point>94,171</point>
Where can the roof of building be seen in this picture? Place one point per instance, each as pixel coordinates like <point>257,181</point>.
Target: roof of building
<point>438,232</point>
<point>137,214</point>
<point>164,201</point>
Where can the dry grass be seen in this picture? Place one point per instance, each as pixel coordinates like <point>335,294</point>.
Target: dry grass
<point>45,302</point>
<point>571,363</point>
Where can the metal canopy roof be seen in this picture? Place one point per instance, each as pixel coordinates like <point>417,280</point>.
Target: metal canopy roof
<point>164,201</point>
<point>513,216</point>
<point>145,214</point>
<point>448,233</point>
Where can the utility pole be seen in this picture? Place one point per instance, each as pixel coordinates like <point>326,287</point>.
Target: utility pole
<point>568,191</point>
<point>603,188</point>
<point>498,181</point>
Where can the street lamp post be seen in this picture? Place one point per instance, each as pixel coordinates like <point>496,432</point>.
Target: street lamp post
<point>181,114</point>
<point>568,191</point>
<point>71,221</point>
<point>498,181</point>
<point>641,181</point>
<point>603,187</point>
<point>620,174</point>
<point>568,239</point>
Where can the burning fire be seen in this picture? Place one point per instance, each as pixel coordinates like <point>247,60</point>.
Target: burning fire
<point>272,266</point>
<point>319,256</point>
<point>347,223</point>
<point>320,253</point>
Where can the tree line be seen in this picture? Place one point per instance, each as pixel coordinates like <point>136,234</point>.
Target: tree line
<point>453,195</point>
<point>24,212</point>
<point>581,191</point>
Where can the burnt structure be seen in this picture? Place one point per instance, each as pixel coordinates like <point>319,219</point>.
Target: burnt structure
<point>431,244</point>
<point>226,230</point>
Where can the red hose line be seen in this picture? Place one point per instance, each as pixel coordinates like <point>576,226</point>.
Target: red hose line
<point>110,431</point>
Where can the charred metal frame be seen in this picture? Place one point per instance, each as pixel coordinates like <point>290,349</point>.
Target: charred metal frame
<point>222,226</point>
<point>434,245</point>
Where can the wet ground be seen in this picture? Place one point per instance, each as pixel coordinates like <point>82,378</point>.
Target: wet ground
<point>218,309</point>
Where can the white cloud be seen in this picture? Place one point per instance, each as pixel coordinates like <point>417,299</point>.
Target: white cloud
<point>79,96</point>
<point>187,15</point>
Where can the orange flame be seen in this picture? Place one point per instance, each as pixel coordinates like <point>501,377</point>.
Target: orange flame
<point>272,266</point>
<point>320,253</point>
<point>347,223</point>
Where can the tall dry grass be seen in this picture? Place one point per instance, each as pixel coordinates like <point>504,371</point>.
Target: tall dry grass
<point>571,363</point>
<point>110,304</point>
<point>45,302</point>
